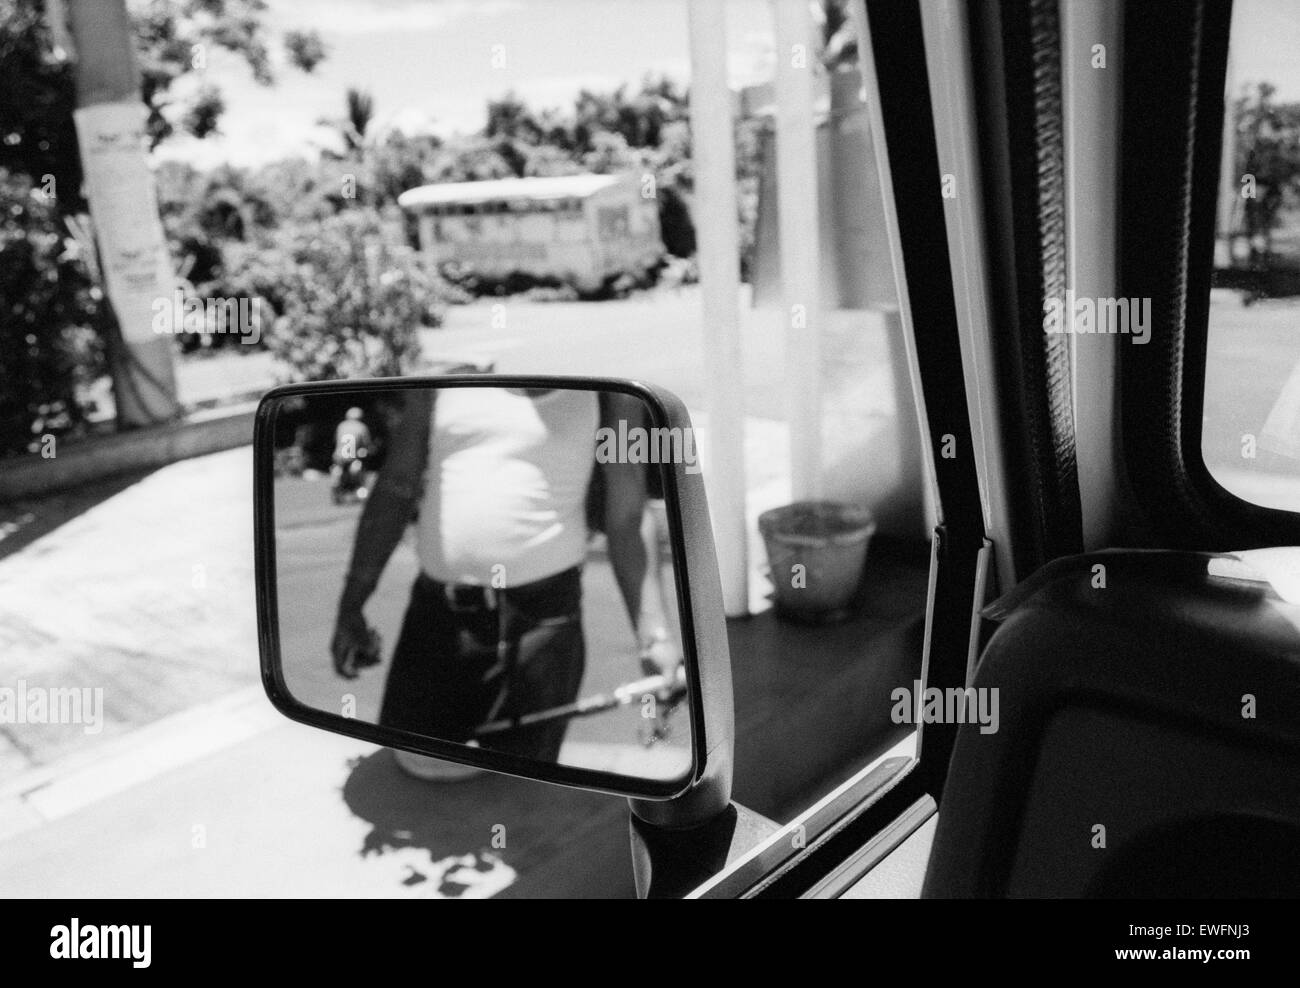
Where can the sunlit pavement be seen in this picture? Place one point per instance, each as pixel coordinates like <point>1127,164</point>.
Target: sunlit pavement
<point>147,596</point>
<point>276,809</point>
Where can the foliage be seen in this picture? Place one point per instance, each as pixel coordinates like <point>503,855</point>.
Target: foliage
<point>351,298</point>
<point>354,125</point>
<point>1268,148</point>
<point>47,350</point>
<point>37,136</point>
<point>645,130</point>
<point>50,305</point>
<point>175,37</point>
<point>305,49</point>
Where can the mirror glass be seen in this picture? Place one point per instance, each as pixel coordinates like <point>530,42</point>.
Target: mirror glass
<point>487,566</point>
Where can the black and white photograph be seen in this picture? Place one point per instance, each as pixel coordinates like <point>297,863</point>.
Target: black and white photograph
<point>651,449</point>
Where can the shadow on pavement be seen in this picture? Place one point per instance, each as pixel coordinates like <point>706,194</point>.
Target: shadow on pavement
<point>812,706</point>
<point>491,834</point>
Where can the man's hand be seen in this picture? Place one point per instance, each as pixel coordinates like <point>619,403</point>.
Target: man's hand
<point>355,645</point>
<point>660,656</point>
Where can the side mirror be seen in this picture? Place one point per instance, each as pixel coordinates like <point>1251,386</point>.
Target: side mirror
<point>511,574</point>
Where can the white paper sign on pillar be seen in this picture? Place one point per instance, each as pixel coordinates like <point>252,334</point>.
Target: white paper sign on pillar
<point>123,204</point>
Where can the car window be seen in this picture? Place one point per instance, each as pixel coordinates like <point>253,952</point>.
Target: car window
<point>395,188</point>
<point>1251,431</point>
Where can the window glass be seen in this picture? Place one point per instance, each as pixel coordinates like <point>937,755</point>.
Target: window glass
<point>282,195</point>
<point>1251,433</point>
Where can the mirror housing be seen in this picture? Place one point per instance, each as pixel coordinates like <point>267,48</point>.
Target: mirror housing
<point>706,791</point>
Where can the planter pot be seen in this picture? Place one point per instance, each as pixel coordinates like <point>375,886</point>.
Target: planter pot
<point>816,551</point>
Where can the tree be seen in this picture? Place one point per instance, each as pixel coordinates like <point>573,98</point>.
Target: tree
<point>175,38</point>
<point>547,159</point>
<point>1268,150</point>
<point>473,159</point>
<point>400,162</point>
<point>38,144</point>
<point>48,353</point>
<point>352,299</point>
<point>639,118</point>
<point>511,118</point>
<point>305,49</point>
<point>353,127</point>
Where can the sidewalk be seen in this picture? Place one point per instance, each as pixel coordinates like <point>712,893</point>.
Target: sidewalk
<point>158,633</point>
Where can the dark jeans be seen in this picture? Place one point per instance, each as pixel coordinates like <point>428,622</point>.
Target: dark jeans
<point>457,667</point>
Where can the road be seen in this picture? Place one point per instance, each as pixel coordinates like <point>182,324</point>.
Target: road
<point>652,337</point>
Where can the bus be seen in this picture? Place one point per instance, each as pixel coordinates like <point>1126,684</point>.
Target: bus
<point>584,230</point>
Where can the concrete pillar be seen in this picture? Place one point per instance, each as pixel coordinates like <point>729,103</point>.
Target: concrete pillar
<point>797,206</point>
<point>718,251</point>
<point>135,266</point>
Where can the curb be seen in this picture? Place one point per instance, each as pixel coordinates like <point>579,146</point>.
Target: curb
<point>92,459</point>
<point>45,793</point>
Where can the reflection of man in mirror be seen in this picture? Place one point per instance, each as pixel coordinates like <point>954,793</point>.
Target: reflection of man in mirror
<point>499,482</point>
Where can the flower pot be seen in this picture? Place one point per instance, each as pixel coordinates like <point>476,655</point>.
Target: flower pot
<point>816,551</point>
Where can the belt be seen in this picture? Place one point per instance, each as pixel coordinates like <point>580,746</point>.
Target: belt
<point>463,597</point>
<point>469,596</point>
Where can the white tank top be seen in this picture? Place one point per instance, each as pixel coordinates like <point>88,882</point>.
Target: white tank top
<point>506,484</point>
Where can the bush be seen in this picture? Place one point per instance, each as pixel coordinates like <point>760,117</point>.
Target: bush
<point>49,353</point>
<point>352,299</point>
